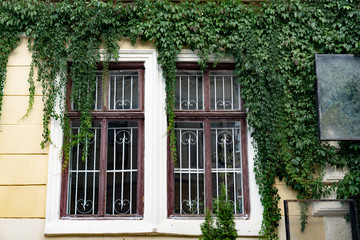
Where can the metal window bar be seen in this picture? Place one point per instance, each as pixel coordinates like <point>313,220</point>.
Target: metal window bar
<point>223,93</point>
<point>77,174</point>
<point>126,135</point>
<point>123,93</point>
<point>215,97</point>
<point>221,101</point>
<point>197,93</point>
<point>189,101</point>
<point>96,92</point>
<point>232,92</point>
<point>180,173</point>
<point>121,102</point>
<point>180,99</point>
<point>84,202</point>
<point>226,169</point>
<point>189,171</point>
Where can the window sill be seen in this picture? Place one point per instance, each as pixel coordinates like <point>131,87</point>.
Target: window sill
<point>202,217</point>
<point>101,218</point>
<point>97,226</point>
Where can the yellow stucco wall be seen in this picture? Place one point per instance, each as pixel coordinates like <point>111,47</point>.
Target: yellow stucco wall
<point>23,164</point>
<point>314,229</point>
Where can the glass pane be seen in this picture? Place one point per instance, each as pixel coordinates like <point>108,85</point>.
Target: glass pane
<point>83,181</point>
<point>124,90</point>
<point>97,94</point>
<point>189,91</point>
<point>122,167</point>
<point>224,91</point>
<point>338,95</point>
<point>226,161</point>
<point>189,168</point>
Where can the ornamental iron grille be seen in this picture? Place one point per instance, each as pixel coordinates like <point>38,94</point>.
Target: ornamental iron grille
<point>108,181</point>
<point>211,143</point>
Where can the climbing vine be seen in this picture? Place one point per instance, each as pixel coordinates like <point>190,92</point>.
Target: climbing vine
<point>273,45</point>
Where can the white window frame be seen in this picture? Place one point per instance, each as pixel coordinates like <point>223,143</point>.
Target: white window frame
<point>155,219</point>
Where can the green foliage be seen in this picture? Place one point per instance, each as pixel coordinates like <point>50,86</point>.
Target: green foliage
<point>273,45</point>
<point>224,226</point>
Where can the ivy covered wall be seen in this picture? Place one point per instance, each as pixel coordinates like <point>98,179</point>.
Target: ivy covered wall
<point>273,45</point>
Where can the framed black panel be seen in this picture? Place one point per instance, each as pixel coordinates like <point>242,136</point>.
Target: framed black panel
<point>338,96</point>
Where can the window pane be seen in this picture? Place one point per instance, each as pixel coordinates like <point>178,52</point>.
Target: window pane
<point>224,91</point>
<point>226,161</point>
<point>189,168</point>
<point>124,90</point>
<point>97,94</point>
<point>83,182</point>
<point>121,170</point>
<point>189,91</point>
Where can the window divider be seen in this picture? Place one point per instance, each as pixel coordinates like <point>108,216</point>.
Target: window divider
<point>140,167</point>
<point>206,83</point>
<point>170,181</point>
<point>208,185</point>
<point>103,164</point>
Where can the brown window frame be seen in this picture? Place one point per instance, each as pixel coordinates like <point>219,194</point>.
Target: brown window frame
<point>207,116</point>
<point>104,116</point>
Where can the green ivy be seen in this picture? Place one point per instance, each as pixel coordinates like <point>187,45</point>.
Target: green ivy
<point>224,225</point>
<point>273,45</point>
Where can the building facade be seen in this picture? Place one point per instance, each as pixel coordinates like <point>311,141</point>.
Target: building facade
<point>151,197</point>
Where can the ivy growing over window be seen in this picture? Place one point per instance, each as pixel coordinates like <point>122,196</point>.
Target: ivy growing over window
<point>273,44</point>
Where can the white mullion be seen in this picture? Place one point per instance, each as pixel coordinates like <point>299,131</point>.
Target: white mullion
<point>77,174</point>
<point>123,92</point>
<point>180,143</point>
<point>114,159</point>
<point>234,176</point>
<point>197,171</point>
<point>223,90</point>
<point>131,156</point>
<point>94,172</point>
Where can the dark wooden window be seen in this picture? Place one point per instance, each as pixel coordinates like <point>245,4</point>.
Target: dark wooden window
<point>210,126</point>
<point>109,182</point>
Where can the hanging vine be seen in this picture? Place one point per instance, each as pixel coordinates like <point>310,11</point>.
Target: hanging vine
<point>273,45</point>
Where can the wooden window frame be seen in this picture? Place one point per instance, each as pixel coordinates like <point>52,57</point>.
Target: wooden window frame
<point>206,116</point>
<point>104,116</point>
